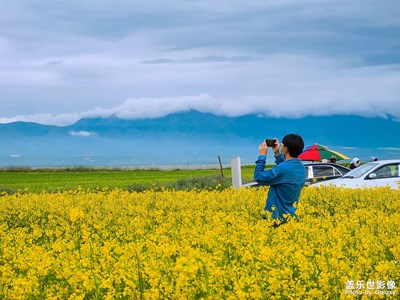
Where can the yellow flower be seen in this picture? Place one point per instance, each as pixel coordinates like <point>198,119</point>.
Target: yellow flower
<point>208,244</point>
<point>76,214</point>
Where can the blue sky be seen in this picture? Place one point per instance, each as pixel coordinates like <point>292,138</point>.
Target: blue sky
<point>64,60</point>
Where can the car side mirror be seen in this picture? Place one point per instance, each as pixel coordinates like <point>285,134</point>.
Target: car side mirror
<point>372,176</point>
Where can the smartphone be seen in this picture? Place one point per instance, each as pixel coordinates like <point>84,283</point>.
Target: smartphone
<point>270,143</point>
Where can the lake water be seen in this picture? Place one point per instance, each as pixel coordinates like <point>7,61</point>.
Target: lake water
<point>190,158</point>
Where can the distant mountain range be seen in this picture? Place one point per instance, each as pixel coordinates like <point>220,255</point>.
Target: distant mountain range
<point>191,132</point>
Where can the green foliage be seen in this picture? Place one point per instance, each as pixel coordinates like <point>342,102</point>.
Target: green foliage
<point>201,182</point>
<point>26,179</point>
<point>7,191</point>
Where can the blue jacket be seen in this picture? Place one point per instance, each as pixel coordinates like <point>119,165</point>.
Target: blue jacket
<point>286,180</point>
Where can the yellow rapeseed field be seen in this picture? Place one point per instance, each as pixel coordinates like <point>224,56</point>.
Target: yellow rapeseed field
<point>204,244</point>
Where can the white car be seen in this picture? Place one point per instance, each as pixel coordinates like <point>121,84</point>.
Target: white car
<point>373,174</point>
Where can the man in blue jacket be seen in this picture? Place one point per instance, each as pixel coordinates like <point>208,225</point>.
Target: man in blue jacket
<point>285,179</point>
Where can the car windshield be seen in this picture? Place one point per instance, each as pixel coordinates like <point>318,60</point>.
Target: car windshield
<point>361,170</point>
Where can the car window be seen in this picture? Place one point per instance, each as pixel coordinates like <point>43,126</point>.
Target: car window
<point>361,170</point>
<point>322,171</point>
<point>387,171</point>
<point>337,172</point>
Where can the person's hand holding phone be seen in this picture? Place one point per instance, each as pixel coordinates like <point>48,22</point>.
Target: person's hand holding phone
<point>273,144</point>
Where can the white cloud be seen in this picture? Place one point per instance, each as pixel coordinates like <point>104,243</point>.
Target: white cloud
<point>81,133</point>
<point>138,108</point>
<point>29,78</point>
<point>278,86</point>
<point>278,58</point>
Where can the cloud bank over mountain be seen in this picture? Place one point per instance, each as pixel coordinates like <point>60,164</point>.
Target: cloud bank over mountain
<point>61,61</point>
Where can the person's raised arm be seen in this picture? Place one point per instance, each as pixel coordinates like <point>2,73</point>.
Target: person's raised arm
<point>261,175</point>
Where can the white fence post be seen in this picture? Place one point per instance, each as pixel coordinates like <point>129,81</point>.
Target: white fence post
<point>236,172</point>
